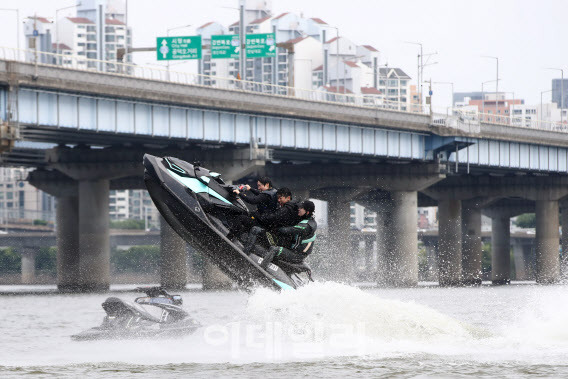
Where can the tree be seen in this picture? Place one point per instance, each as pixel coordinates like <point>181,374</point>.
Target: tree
<point>10,261</point>
<point>527,220</point>
<point>127,224</point>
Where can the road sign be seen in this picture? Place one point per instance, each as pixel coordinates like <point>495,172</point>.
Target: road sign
<point>177,48</point>
<point>225,46</point>
<point>261,45</point>
<point>430,93</point>
<point>35,33</point>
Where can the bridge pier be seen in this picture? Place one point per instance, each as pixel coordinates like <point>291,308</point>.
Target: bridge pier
<point>546,243</point>
<point>67,236</point>
<point>94,247</point>
<point>521,266</point>
<point>173,258</point>
<point>500,249</point>
<point>564,256</point>
<point>471,245</point>
<point>450,242</point>
<point>28,265</point>
<point>401,247</point>
<point>339,262</point>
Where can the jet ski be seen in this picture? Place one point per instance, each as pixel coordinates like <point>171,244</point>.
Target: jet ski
<point>158,314</point>
<point>199,205</point>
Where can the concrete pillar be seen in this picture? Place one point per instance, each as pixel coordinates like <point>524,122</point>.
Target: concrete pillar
<point>402,240</point>
<point>213,278</point>
<point>339,263</point>
<point>500,250</point>
<point>564,256</point>
<point>471,246</point>
<point>520,264</point>
<point>28,266</point>
<point>368,252</point>
<point>432,259</point>
<point>94,248</point>
<point>67,236</point>
<point>449,242</point>
<point>173,258</point>
<point>546,243</point>
<point>380,243</point>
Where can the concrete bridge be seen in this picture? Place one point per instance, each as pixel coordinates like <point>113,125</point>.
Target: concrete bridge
<point>86,132</point>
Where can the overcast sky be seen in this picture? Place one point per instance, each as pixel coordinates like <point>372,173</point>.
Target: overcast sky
<point>526,35</point>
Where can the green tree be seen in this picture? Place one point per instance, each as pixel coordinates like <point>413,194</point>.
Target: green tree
<point>10,261</point>
<point>46,260</point>
<point>527,220</point>
<point>127,224</point>
<point>143,259</point>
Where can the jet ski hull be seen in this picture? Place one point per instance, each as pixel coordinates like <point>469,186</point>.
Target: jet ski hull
<point>193,219</point>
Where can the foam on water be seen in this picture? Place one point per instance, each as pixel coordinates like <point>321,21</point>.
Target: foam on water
<point>316,322</point>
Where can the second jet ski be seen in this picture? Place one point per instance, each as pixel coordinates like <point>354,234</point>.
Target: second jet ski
<point>198,205</point>
<point>156,315</point>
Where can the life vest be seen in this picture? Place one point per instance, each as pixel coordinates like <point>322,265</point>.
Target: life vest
<point>305,245</point>
<point>272,205</point>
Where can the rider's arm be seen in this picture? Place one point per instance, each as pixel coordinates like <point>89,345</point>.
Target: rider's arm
<point>302,230</point>
<point>252,198</point>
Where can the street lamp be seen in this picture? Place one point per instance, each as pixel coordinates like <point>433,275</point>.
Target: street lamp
<point>337,60</point>
<point>496,80</point>
<point>17,23</point>
<point>168,34</point>
<point>450,83</point>
<point>57,28</point>
<point>561,94</point>
<point>420,58</point>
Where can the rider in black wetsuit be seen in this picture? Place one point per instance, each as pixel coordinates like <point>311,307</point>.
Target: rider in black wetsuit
<point>265,200</point>
<point>264,197</point>
<point>285,215</point>
<point>295,242</point>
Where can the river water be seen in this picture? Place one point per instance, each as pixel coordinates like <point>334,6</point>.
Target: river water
<point>322,330</point>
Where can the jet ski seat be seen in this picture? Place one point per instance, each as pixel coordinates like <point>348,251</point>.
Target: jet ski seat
<point>295,268</point>
<point>115,306</point>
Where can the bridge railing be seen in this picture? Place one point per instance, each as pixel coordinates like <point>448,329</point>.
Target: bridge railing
<point>80,62</point>
<point>468,121</point>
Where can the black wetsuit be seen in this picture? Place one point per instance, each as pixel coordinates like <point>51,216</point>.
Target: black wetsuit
<point>266,223</point>
<point>286,215</point>
<point>296,242</point>
<point>265,201</point>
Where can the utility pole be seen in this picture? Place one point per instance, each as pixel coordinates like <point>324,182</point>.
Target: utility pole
<point>242,34</point>
<point>561,95</point>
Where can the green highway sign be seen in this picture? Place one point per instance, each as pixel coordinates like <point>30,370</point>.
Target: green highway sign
<point>225,46</point>
<point>174,48</point>
<point>261,45</point>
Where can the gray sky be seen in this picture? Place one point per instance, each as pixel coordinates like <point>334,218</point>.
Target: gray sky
<point>525,35</point>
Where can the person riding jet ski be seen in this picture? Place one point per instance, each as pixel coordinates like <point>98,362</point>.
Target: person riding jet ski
<point>295,242</point>
<point>265,200</point>
<point>264,197</point>
<point>286,215</point>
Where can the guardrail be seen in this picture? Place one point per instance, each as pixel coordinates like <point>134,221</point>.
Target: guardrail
<point>466,120</point>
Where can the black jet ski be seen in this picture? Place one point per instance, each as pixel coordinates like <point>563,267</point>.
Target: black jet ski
<point>199,205</point>
<point>158,314</point>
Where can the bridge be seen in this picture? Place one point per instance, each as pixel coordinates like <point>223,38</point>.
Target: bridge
<point>85,133</point>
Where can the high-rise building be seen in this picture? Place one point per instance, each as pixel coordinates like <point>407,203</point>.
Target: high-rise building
<point>558,87</point>
<point>20,202</point>
<point>39,36</point>
<point>97,32</point>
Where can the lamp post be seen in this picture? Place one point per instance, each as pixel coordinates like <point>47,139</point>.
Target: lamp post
<point>57,28</point>
<point>561,94</point>
<point>337,59</point>
<point>168,34</point>
<point>17,23</point>
<point>420,59</point>
<point>496,80</point>
<point>540,110</point>
<point>450,83</point>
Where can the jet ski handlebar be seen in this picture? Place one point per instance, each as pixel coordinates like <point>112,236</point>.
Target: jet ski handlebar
<point>159,291</point>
